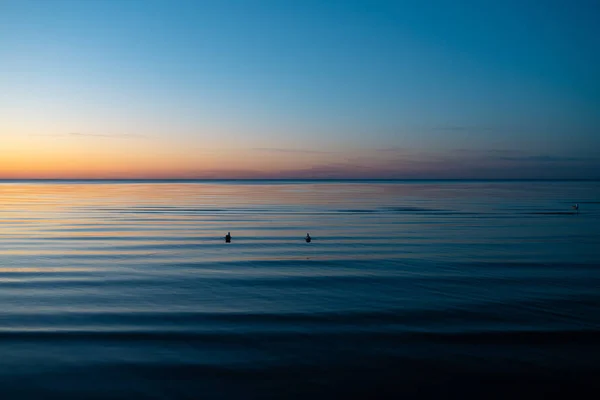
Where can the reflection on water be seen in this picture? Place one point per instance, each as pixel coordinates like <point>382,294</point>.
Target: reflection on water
<point>128,289</point>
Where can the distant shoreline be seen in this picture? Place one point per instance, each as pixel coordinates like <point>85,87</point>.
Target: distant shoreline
<point>322,180</point>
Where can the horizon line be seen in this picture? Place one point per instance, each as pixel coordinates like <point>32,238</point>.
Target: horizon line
<point>284,179</point>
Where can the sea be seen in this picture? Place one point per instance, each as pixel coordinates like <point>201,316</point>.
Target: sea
<point>408,289</point>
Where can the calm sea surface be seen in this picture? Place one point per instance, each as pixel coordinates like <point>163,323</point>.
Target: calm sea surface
<point>409,289</point>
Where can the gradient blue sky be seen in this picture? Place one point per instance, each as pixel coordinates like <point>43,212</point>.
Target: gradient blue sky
<point>432,89</point>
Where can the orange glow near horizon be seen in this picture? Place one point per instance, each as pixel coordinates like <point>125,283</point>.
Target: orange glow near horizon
<point>65,157</point>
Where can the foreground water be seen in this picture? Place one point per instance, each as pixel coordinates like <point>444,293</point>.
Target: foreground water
<point>409,289</point>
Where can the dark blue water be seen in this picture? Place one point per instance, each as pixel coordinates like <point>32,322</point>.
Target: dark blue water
<point>409,289</point>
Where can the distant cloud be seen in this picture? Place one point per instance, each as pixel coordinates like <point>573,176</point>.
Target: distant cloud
<point>287,150</point>
<point>513,155</point>
<point>393,149</point>
<point>544,158</point>
<point>488,151</point>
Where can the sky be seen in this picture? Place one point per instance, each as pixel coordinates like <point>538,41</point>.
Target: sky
<point>299,89</point>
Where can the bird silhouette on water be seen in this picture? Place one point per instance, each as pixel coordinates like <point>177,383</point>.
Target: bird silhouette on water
<point>228,237</point>
<point>576,208</point>
<point>307,238</point>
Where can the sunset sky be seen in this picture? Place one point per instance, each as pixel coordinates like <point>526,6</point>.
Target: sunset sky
<point>299,89</point>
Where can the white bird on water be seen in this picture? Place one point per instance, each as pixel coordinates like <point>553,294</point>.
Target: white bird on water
<point>576,207</point>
